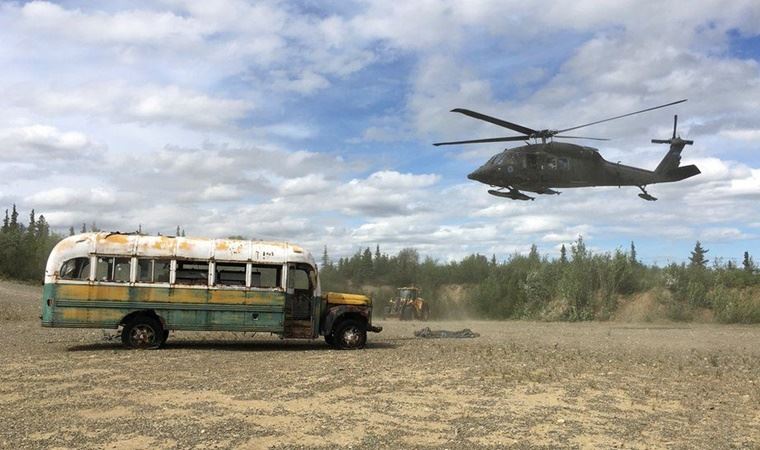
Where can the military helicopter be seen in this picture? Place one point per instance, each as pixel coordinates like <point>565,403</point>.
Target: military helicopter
<point>543,164</point>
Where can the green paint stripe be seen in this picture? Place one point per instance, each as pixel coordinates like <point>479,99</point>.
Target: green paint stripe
<point>69,303</point>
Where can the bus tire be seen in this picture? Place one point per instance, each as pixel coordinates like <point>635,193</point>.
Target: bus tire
<point>142,332</point>
<point>350,334</point>
<point>164,338</point>
<point>330,339</point>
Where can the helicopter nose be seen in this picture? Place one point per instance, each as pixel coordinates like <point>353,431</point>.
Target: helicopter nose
<point>477,174</point>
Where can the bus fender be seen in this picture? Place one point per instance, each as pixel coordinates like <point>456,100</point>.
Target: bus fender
<point>337,313</point>
<point>144,312</point>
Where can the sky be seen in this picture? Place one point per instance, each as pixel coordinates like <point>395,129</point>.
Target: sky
<point>312,121</point>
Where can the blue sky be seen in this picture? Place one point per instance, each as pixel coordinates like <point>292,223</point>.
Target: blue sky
<point>313,121</point>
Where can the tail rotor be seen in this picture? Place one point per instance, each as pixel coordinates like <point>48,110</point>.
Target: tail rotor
<point>675,139</point>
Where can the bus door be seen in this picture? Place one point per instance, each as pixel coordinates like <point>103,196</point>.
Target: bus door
<point>299,302</point>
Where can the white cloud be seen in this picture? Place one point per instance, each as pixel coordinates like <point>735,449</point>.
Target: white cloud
<point>117,101</point>
<point>129,27</point>
<point>76,198</point>
<point>750,135</point>
<point>220,192</point>
<point>44,141</point>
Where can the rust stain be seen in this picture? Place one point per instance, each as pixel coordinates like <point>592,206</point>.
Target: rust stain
<point>184,245</point>
<point>163,243</point>
<point>114,293</point>
<point>90,315</point>
<point>222,245</point>
<point>232,297</point>
<point>65,245</point>
<point>117,238</point>
<point>73,292</point>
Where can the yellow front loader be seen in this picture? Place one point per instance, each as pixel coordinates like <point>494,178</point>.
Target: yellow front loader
<point>408,305</point>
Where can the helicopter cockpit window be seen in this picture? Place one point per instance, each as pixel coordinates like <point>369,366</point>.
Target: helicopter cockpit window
<point>492,160</point>
<point>564,163</point>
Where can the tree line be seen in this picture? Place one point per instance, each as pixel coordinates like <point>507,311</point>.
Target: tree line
<point>24,248</point>
<point>577,285</point>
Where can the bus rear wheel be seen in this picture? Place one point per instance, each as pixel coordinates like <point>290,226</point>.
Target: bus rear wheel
<point>350,334</point>
<point>143,332</point>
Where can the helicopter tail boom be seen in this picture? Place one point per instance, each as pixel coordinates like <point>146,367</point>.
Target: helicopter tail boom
<point>682,173</point>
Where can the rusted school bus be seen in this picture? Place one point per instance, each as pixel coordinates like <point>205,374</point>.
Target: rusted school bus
<point>149,285</point>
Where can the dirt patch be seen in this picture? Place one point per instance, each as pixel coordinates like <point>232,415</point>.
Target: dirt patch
<point>643,307</point>
<point>520,384</point>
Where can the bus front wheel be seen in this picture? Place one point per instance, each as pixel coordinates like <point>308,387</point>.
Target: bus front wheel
<point>142,332</point>
<point>350,334</point>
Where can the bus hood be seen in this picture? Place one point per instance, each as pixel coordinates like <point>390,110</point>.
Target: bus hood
<point>338,298</point>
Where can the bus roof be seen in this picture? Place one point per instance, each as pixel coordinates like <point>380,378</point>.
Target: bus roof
<point>230,250</point>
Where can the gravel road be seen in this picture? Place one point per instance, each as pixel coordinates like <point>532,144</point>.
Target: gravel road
<point>520,384</point>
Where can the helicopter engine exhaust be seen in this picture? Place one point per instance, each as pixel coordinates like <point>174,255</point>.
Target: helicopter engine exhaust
<point>514,195</point>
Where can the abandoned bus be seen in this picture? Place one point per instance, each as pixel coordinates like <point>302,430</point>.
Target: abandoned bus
<point>149,285</point>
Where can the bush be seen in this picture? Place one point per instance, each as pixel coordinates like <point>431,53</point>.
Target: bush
<point>732,305</point>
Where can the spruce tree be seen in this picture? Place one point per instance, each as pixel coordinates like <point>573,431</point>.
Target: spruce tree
<point>748,263</point>
<point>633,254</point>
<point>697,258</point>
<point>6,222</point>
<point>32,223</point>
<point>563,254</point>
<point>325,259</point>
<point>71,231</point>
<point>13,226</point>
<point>42,228</point>
<point>533,255</point>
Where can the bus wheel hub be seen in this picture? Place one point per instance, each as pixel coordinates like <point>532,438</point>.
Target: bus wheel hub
<point>142,335</point>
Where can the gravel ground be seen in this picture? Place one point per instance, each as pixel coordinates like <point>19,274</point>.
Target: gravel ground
<point>520,384</point>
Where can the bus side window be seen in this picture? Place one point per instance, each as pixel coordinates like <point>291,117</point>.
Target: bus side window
<point>191,272</point>
<point>103,268</point>
<point>112,269</point>
<point>161,271</point>
<point>145,270</point>
<point>301,279</point>
<point>75,269</point>
<point>153,271</point>
<point>264,276</point>
<point>229,274</point>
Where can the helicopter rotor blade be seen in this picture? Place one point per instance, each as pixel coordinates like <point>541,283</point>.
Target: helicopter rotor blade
<point>482,141</point>
<point>495,121</point>
<point>581,137</point>
<point>621,116</point>
<point>675,124</point>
